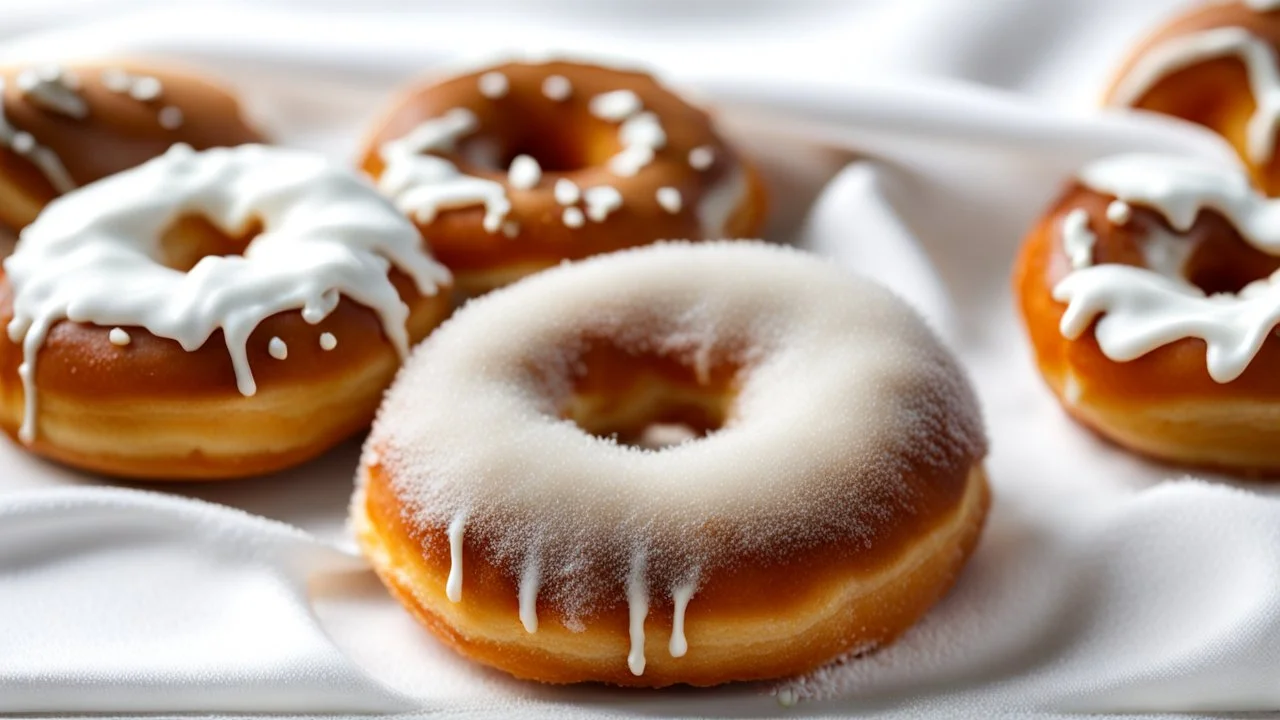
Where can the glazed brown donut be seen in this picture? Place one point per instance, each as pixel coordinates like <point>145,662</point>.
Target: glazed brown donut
<point>1205,66</point>
<point>828,490</point>
<point>87,121</point>
<point>1148,379</point>
<point>696,185</point>
<point>162,397</point>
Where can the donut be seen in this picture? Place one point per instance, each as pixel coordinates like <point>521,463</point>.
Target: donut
<point>515,168</point>
<point>209,314</point>
<point>1217,66</point>
<point>66,126</point>
<point>813,486</point>
<point>1150,297</point>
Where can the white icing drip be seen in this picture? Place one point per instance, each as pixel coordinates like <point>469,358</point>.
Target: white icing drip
<point>572,217</point>
<point>601,201</point>
<point>701,157</point>
<point>1178,53</point>
<point>637,610</point>
<point>494,85</point>
<point>720,203</point>
<point>680,597</point>
<point>524,173</point>
<point>42,157</point>
<point>51,88</point>
<point>328,341</point>
<point>1165,253</point>
<point>1119,212</point>
<point>170,117</point>
<point>1142,309</point>
<point>1077,239</point>
<point>453,585</point>
<point>278,349</point>
<point>669,199</point>
<point>557,87</point>
<point>530,580</point>
<point>614,106</point>
<point>423,184</point>
<point>118,336</point>
<point>567,193</point>
<point>325,233</point>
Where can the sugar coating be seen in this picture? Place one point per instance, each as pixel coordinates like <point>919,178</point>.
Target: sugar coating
<point>849,395</point>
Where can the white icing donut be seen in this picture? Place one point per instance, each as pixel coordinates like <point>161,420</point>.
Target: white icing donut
<point>843,383</point>
<point>92,255</point>
<point>1142,308</point>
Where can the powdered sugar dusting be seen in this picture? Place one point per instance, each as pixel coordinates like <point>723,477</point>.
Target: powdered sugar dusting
<point>826,438</point>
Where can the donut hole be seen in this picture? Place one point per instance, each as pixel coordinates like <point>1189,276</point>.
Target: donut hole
<point>191,238</point>
<point>1217,266</point>
<point>648,400</point>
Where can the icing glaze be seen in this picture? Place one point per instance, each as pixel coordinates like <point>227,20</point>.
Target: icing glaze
<point>702,157</point>
<point>567,193</point>
<point>51,88</point>
<point>493,85</point>
<point>600,201</point>
<point>524,173</point>
<point>557,87</point>
<point>1077,239</point>
<point>277,348</point>
<point>628,524</point>
<point>1140,309</point>
<point>637,611</point>
<point>328,341</point>
<point>453,585</point>
<point>669,199</point>
<point>680,597</point>
<point>573,217</point>
<point>143,88</point>
<point>640,132</point>
<point>423,184</point>
<point>1259,60</point>
<point>92,256</point>
<point>170,117</point>
<point>46,160</point>
<point>1119,212</point>
<point>119,337</point>
<point>614,106</point>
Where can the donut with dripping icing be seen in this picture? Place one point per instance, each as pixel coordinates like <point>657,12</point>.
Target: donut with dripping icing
<point>66,126</point>
<point>1150,296</point>
<point>1219,66</point>
<point>210,314</point>
<point>514,168</point>
<point>824,492</point>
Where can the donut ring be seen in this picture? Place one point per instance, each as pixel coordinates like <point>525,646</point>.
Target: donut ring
<point>1149,295</point>
<point>209,315</point>
<point>63,127</point>
<point>799,528</point>
<point>527,165</point>
<point>1216,66</point>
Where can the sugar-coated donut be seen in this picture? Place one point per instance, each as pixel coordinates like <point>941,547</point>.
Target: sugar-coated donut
<point>1150,298</point>
<point>65,126</point>
<point>828,490</point>
<point>514,168</point>
<point>1215,65</point>
<point>209,315</point>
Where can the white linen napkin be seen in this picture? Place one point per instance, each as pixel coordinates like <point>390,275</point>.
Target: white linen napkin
<point>914,142</point>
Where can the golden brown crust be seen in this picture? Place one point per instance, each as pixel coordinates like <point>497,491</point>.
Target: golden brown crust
<point>838,599</point>
<point>1214,93</point>
<point>1164,403</point>
<point>570,143</point>
<point>119,132</point>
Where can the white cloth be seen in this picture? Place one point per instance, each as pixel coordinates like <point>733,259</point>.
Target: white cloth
<point>912,141</point>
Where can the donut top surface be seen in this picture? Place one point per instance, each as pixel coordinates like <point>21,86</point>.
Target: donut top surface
<point>556,145</point>
<point>1197,66</point>
<point>62,127</point>
<point>1195,224</point>
<point>312,232</point>
<point>844,427</point>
